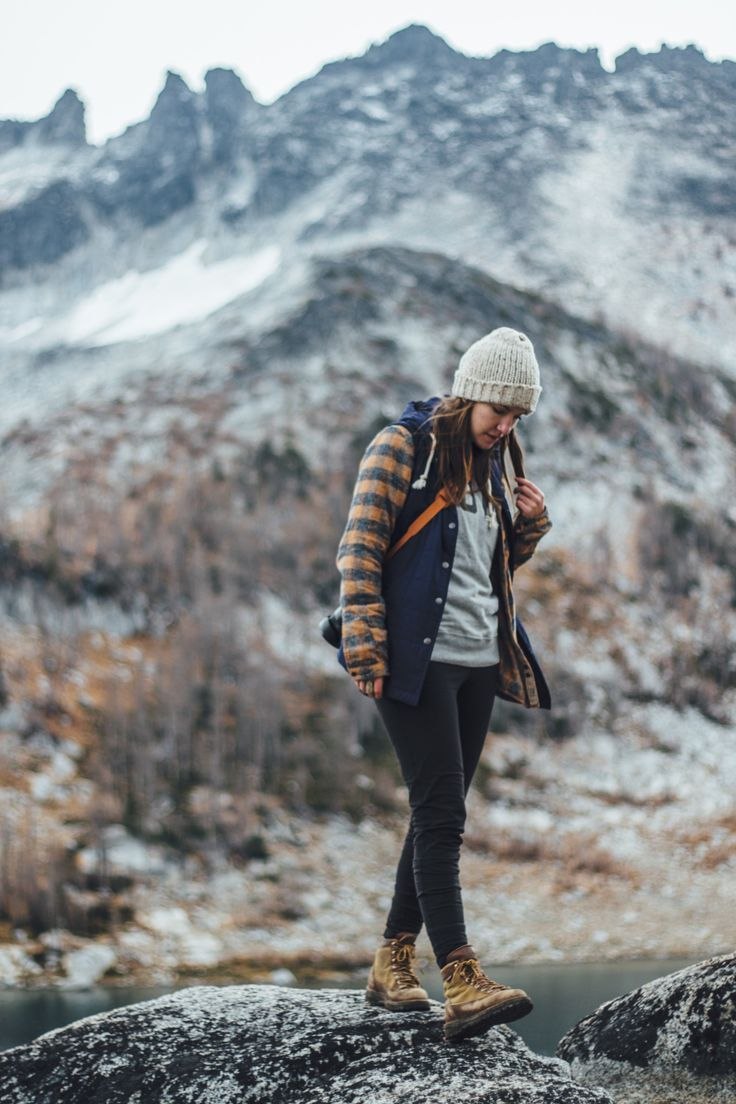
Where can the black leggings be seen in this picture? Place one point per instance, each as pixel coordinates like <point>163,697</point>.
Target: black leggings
<point>438,742</point>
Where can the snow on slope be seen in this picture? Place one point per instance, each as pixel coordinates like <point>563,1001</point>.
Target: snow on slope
<point>32,167</point>
<point>181,291</point>
<point>642,267</point>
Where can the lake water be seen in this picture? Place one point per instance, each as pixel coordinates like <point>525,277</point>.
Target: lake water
<point>562,995</point>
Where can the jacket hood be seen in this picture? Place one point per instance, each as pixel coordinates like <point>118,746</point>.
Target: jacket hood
<point>416,412</point>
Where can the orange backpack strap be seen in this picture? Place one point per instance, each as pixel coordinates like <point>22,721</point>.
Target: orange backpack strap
<point>419,522</point>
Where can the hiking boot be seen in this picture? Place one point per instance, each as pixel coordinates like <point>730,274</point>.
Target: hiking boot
<point>392,983</point>
<point>475,1002</point>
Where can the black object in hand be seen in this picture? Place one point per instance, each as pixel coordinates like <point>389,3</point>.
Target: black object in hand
<point>331,627</point>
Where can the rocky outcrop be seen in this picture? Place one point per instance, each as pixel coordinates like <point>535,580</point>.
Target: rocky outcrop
<point>47,225</point>
<point>269,1045</point>
<point>150,172</point>
<point>414,44</point>
<point>64,125</point>
<point>230,109</point>
<point>65,122</point>
<point>672,1039</point>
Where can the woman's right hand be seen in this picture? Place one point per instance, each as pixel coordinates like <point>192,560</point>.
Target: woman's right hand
<point>372,688</point>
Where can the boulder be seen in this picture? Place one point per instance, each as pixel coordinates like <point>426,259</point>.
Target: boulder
<point>266,1044</point>
<point>673,1039</point>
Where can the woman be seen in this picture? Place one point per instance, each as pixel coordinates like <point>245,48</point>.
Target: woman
<point>431,634</point>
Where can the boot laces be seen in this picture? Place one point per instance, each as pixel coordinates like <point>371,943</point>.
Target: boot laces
<point>474,975</point>
<point>401,964</point>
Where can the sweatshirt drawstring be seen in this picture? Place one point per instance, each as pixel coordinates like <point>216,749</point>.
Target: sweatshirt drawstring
<point>420,483</point>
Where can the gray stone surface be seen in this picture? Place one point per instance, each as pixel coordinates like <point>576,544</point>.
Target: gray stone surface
<point>264,1043</point>
<point>671,1040</point>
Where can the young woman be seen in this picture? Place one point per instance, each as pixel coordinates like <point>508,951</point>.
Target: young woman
<point>431,634</point>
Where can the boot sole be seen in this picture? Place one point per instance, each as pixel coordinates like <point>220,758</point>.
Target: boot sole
<point>373,997</point>
<point>480,1022</point>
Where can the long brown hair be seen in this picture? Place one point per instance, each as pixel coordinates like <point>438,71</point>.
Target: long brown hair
<point>459,459</point>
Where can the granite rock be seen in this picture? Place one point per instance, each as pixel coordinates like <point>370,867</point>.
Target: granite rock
<point>276,1046</point>
<point>673,1039</point>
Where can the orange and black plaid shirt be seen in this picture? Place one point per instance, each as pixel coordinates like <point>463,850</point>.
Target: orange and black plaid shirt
<point>381,489</point>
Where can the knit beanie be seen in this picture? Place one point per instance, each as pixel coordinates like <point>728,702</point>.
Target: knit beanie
<point>499,368</point>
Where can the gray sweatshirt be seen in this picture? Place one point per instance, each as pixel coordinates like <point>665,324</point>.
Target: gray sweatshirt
<point>468,631</point>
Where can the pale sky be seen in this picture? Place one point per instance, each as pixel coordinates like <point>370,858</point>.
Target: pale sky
<point>116,55</point>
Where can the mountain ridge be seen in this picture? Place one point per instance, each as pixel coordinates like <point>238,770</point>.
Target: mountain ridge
<point>540,165</point>
<point>412,42</point>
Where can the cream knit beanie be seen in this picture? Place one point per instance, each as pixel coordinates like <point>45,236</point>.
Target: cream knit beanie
<point>499,368</point>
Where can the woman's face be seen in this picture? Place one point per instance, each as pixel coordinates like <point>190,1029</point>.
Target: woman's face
<point>491,421</point>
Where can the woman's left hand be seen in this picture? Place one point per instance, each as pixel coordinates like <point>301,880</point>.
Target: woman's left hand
<point>529,498</point>
<point>372,688</point>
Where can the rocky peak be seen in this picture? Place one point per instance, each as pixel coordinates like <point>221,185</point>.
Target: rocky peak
<point>175,101</point>
<point>173,119</point>
<point>412,45</point>
<point>229,106</point>
<point>225,90</point>
<point>680,79</point>
<point>151,170</point>
<point>549,56</point>
<point>64,125</point>
<point>65,122</point>
<point>566,75</point>
<point>683,59</point>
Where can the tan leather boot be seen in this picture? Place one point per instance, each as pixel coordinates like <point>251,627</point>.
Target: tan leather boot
<point>392,983</point>
<point>474,1002</point>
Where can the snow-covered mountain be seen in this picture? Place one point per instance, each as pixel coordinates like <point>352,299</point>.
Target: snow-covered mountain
<point>610,192</point>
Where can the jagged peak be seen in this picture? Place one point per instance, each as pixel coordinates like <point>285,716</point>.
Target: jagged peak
<point>175,88</point>
<point>65,122</point>
<point>668,57</point>
<point>223,82</point>
<point>69,99</point>
<point>549,54</point>
<point>175,97</point>
<point>552,49</point>
<point>415,42</point>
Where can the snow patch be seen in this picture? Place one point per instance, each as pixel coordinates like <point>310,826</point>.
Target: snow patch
<point>86,966</point>
<point>16,965</point>
<point>181,291</point>
<point>123,853</point>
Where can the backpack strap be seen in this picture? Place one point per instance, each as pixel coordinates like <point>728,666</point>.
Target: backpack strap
<point>419,522</point>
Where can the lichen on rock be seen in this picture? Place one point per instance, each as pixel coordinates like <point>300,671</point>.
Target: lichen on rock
<point>672,1039</point>
<point>270,1045</point>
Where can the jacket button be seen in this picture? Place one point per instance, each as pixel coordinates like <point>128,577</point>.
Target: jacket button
<point>445,563</point>
<point>438,601</point>
<point>428,640</point>
<point>451,525</point>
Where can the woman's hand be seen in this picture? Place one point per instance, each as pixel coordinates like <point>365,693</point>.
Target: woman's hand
<point>372,688</point>
<point>529,498</point>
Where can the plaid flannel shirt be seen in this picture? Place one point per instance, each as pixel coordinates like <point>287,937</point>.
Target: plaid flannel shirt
<point>381,489</point>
